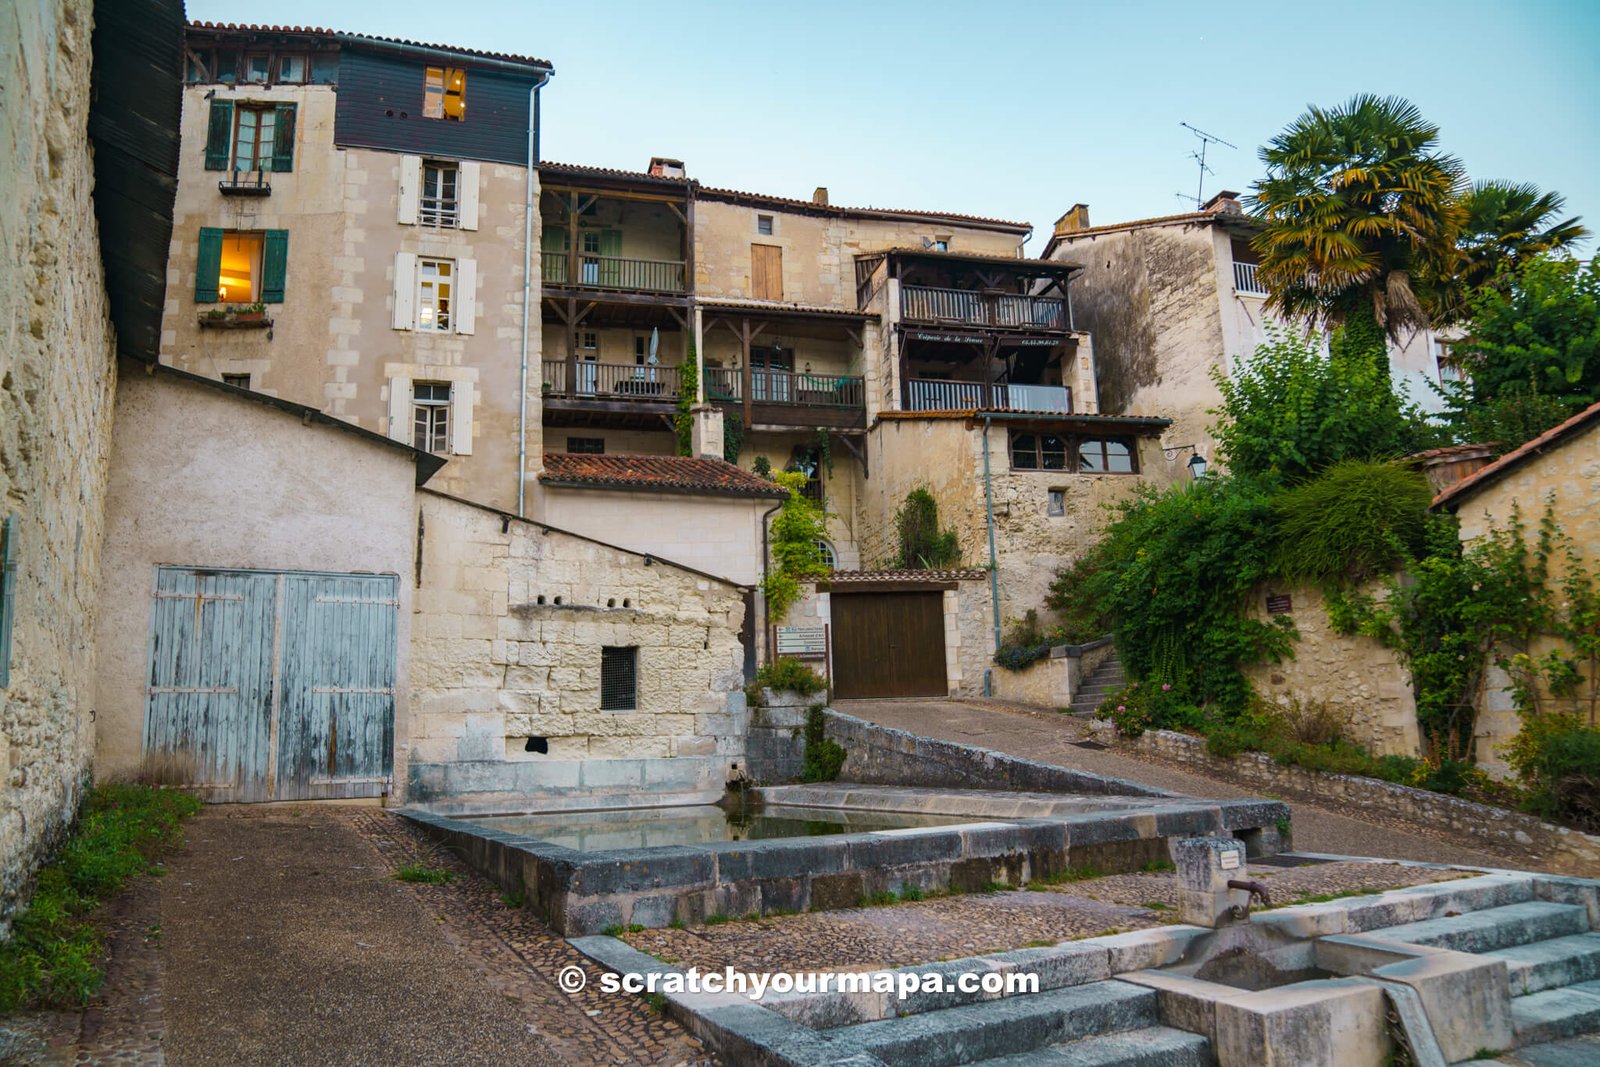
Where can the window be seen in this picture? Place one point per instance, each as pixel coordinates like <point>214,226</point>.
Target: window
<point>258,68</point>
<point>238,381</point>
<point>253,138</point>
<point>197,67</point>
<point>430,416</point>
<point>1449,366</point>
<point>619,679</point>
<point>1038,452</point>
<point>440,206</point>
<point>444,94</point>
<point>291,69</point>
<point>250,137</point>
<point>830,558</point>
<point>586,446</point>
<point>939,246</point>
<point>1110,455</point>
<point>241,267</point>
<point>435,284</point>
<point>1058,503</point>
<point>764,225</point>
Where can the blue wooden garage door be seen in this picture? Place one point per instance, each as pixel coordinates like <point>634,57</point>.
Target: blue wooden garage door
<point>267,685</point>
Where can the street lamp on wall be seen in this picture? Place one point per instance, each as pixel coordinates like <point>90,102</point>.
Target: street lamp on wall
<point>1196,464</point>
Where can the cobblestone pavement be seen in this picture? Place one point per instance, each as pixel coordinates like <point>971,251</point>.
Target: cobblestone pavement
<point>953,927</point>
<point>1050,737</point>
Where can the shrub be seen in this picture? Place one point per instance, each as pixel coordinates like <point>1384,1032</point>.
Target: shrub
<point>797,530</point>
<point>1026,643</point>
<point>1138,707</point>
<point>922,544</point>
<point>823,755</point>
<point>1074,597</point>
<point>789,675</point>
<point>1557,757</point>
<point>1353,520</point>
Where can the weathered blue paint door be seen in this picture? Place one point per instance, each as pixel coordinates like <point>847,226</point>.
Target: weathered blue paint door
<point>336,729</point>
<point>209,717</point>
<point>273,685</point>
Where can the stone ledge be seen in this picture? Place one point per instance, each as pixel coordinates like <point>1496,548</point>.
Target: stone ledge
<point>1570,851</point>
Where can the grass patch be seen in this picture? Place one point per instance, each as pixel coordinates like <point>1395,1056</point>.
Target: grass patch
<point>423,874</point>
<point>1156,905</point>
<point>716,920</point>
<point>51,959</point>
<point>511,900</point>
<point>880,898</point>
<point>675,924</point>
<point>910,893</point>
<point>1155,866</point>
<point>996,887</point>
<point>1070,874</point>
<point>1039,942</point>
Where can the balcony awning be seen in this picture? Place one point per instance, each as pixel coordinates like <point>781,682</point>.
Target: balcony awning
<point>781,309</point>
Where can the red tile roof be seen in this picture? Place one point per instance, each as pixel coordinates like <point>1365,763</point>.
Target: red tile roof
<point>1551,438</point>
<point>318,31</point>
<point>1218,214</point>
<point>914,575</point>
<point>668,474</point>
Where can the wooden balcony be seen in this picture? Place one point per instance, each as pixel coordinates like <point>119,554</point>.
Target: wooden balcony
<point>614,273</point>
<point>924,394</point>
<point>612,381</point>
<point>971,307</point>
<point>791,398</point>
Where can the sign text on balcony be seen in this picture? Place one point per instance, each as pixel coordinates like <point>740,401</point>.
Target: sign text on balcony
<point>956,338</point>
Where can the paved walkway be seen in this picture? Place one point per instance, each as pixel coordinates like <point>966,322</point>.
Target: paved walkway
<point>1049,736</point>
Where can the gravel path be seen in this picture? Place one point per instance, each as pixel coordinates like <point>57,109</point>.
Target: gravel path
<point>1049,736</point>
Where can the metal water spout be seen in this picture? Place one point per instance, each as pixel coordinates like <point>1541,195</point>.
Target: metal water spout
<point>1256,890</point>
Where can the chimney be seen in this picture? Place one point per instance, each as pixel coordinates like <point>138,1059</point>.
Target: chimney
<point>705,431</point>
<point>662,167</point>
<point>1227,200</point>
<point>1076,218</point>
<point>820,196</point>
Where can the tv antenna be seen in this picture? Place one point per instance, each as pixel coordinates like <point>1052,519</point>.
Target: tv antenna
<point>1206,140</point>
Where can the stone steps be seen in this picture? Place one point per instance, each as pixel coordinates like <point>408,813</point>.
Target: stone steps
<point>1012,1026</point>
<point>1107,679</point>
<point>1556,1013</point>
<point>1152,1046</point>
<point>1493,928</point>
<point>1560,961</point>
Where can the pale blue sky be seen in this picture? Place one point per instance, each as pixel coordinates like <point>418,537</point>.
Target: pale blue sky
<point>1016,110</point>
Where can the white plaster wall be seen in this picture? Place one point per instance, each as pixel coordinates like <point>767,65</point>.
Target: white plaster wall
<point>201,478</point>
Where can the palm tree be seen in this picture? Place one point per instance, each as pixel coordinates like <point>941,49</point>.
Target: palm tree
<point>1507,225</point>
<point>1362,218</point>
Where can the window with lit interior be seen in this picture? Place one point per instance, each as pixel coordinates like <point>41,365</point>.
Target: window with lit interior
<point>435,289</point>
<point>445,94</point>
<point>239,280</point>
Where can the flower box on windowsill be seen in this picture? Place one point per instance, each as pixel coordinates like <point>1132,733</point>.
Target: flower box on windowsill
<point>235,319</point>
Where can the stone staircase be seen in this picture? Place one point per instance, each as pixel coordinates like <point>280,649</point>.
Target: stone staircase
<point>1107,679</point>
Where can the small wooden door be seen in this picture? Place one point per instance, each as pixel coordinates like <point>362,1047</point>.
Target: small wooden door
<point>889,644</point>
<point>766,272</point>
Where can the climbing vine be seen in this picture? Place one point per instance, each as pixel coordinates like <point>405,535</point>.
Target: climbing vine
<point>922,544</point>
<point>688,389</point>
<point>797,529</point>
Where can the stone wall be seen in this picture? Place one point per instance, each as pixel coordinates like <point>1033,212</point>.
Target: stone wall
<point>1568,477</point>
<point>511,619</point>
<point>57,376</point>
<point>1359,675</point>
<point>1497,829</point>
<point>1052,681</point>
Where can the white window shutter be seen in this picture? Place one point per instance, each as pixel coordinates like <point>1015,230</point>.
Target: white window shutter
<point>466,295</point>
<point>467,191</point>
<point>410,189</point>
<point>400,409</point>
<point>461,418</point>
<point>405,291</point>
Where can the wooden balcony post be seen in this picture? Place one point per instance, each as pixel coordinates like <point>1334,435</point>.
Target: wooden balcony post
<point>744,350</point>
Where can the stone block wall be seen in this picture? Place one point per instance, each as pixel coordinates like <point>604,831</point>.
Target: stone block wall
<point>57,378</point>
<point>506,653</point>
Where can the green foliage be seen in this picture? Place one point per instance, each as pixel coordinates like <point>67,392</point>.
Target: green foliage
<point>1353,520</point>
<point>1074,598</point>
<point>688,392</point>
<point>796,530</point>
<point>823,755</point>
<point>1292,410</point>
<point>732,435</point>
<point>922,543</point>
<point>1533,356</point>
<point>52,958</point>
<point>1557,756</point>
<point>1025,643</point>
<point>423,874</point>
<point>1138,707</point>
<point>762,466</point>
<point>1508,225</point>
<point>789,675</point>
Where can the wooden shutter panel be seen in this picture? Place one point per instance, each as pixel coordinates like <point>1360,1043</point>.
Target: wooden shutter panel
<point>208,264</point>
<point>466,295</point>
<point>766,272</point>
<point>219,135</point>
<point>467,194</point>
<point>405,291</point>
<point>400,409</point>
<point>274,265</point>
<point>410,190</point>
<point>283,138</point>
<point>553,242</point>
<point>461,418</point>
<point>610,251</point>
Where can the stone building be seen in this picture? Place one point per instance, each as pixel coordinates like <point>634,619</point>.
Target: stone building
<point>1169,300</point>
<point>1559,469</point>
<point>351,233</point>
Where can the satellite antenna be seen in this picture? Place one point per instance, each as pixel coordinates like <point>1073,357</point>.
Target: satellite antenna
<point>1206,140</point>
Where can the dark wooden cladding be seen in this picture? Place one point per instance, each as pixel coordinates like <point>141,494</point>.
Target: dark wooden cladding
<point>380,106</point>
<point>888,644</point>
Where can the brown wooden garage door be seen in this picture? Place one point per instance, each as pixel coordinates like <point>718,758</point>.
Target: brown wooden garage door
<point>888,645</point>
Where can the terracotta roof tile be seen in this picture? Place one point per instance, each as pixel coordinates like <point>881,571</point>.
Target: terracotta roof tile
<point>318,31</point>
<point>672,474</point>
<point>1481,477</point>
<point>914,575</point>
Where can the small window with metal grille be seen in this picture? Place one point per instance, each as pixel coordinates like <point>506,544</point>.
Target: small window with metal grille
<point>619,679</point>
<point>440,206</point>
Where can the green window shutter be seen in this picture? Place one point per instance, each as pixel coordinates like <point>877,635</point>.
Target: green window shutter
<point>208,265</point>
<point>219,135</point>
<point>274,265</point>
<point>8,594</point>
<point>283,138</point>
<point>553,242</point>
<point>610,246</point>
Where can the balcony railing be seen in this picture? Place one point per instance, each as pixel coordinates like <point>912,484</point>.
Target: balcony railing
<point>802,388</point>
<point>921,303</point>
<point>615,272</point>
<point>246,183</point>
<point>1244,279</point>
<point>923,394</point>
<point>611,381</point>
